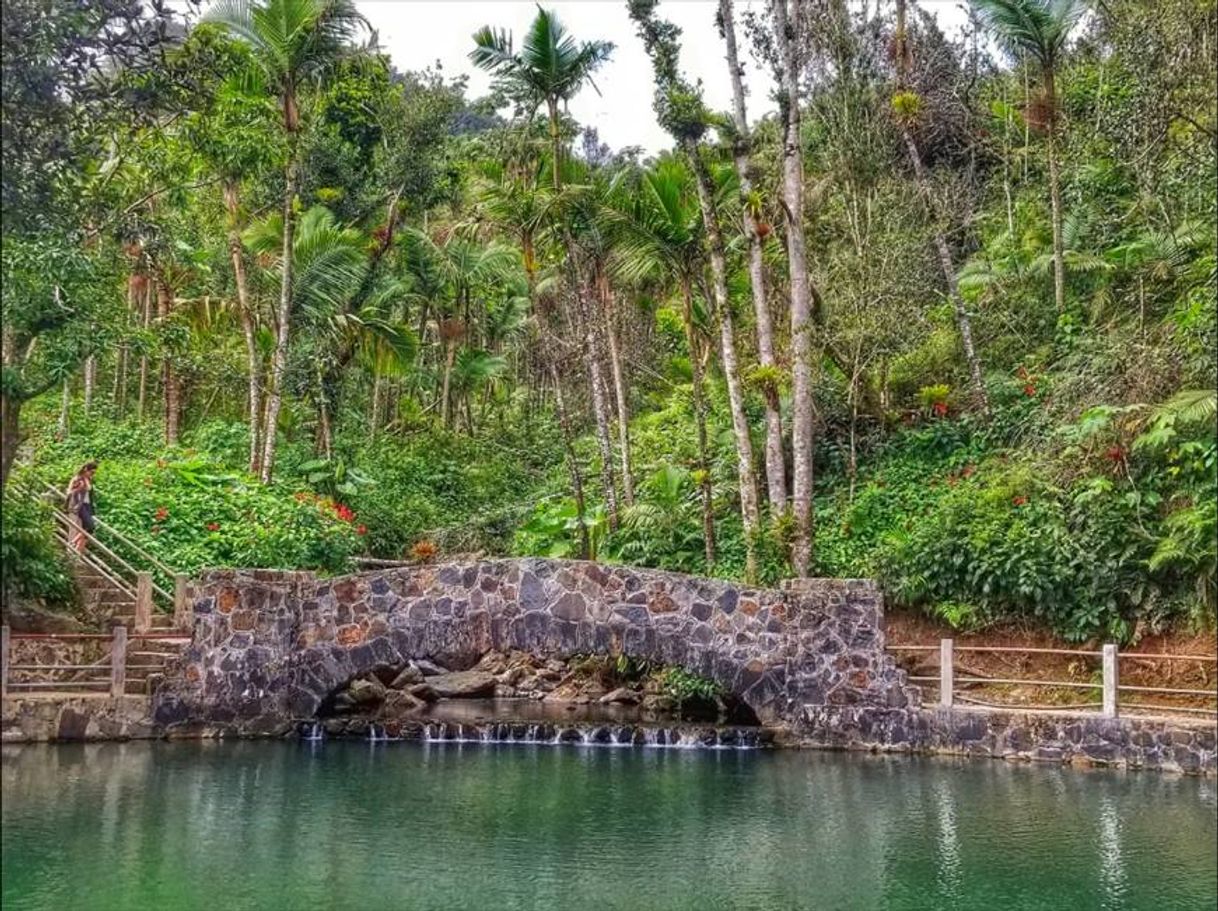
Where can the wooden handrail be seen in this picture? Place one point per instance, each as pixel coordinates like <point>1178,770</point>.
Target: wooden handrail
<point>50,488</point>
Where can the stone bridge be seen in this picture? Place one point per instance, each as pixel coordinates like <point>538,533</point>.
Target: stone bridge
<point>268,647</point>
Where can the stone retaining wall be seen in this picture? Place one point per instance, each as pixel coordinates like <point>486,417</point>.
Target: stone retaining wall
<point>1091,740</point>
<point>269,647</point>
<point>37,718</point>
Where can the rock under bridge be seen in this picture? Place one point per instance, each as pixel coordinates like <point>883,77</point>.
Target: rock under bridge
<point>268,647</point>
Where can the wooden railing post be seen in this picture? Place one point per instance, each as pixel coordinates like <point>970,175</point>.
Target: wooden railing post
<point>1110,680</point>
<point>946,683</point>
<point>143,602</point>
<point>118,662</point>
<point>182,614</point>
<point>3,661</point>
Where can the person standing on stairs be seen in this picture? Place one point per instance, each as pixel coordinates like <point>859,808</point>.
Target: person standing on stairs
<point>79,507</point>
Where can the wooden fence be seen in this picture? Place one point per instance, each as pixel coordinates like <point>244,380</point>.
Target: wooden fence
<point>1110,688</point>
<point>108,674</point>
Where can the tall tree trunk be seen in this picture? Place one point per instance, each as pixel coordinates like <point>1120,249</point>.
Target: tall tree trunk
<point>577,479</point>
<point>248,330</point>
<point>325,436</point>
<point>555,144</point>
<point>775,462</point>
<point>10,435</point>
<point>963,324</point>
<point>786,22</point>
<point>731,367</point>
<point>623,405</point>
<point>596,381</point>
<point>279,360</point>
<point>1055,192</point>
<point>90,373</point>
<point>147,321</point>
<point>120,381</point>
<point>169,379</point>
<point>704,468</point>
<point>64,402</point>
<point>450,357</point>
<point>374,419</point>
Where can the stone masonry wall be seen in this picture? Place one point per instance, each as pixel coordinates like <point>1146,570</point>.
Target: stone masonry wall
<point>268,647</point>
<point>1090,740</point>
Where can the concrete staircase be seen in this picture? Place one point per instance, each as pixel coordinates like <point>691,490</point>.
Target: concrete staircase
<point>112,603</point>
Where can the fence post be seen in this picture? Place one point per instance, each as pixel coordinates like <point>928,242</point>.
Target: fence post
<point>1110,680</point>
<point>3,661</point>
<point>182,618</point>
<point>143,602</point>
<point>118,662</point>
<point>945,672</point>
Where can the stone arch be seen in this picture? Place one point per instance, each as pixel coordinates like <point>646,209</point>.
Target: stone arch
<point>270,647</point>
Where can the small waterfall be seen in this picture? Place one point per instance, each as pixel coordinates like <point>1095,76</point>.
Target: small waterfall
<point>679,737</point>
<point>694,738</point>
<point>313,732</point>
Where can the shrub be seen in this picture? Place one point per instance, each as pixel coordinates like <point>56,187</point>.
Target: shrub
<point>33,561</point>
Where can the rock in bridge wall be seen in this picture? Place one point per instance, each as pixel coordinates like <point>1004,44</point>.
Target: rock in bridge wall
<point>268,647</point>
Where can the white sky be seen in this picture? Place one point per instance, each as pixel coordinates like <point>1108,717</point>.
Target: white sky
<point>418,33</point>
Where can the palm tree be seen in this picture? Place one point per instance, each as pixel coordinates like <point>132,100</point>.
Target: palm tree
<point>550,68</point>
<point>660,236</point>
<point>462,266</point>
<point>788,16</point>
<point>1039,29</point>
<point>292,43</point>
<point>775,462</point>
<point>681,111</point>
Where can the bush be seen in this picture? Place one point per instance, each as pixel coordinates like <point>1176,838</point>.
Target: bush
<point>33,561</point>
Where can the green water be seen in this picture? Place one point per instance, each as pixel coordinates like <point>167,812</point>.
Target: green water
<point>232,826</point>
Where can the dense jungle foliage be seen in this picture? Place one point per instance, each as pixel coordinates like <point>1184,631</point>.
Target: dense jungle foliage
<point>946,318</point>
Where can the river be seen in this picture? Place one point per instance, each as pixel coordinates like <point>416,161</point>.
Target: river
<point>349,825</point>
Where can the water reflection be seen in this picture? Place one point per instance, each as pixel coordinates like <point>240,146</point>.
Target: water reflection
<point>438,826</point>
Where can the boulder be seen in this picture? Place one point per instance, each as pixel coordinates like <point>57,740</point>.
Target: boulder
<point>366,692</point>
<point>408,676</point>
<point>429,668</point>
<point>492,663</point>
<point>398,704</point>
<point>423,691</point>
<point>513,675</point>
<point>462,684</point>
<point>623,695</point>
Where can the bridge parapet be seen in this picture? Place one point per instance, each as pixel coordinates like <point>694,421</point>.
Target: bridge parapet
<point>269,647</point>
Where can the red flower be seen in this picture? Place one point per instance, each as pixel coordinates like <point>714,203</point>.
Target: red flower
<point>162,513</point>
<point>343,512</point>
<point>362,530</point>
<point>1116,454</point>
<point>940,408</point>
<point>213,526</point>
<point>1029,389</point>
<point>1019,500</point>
